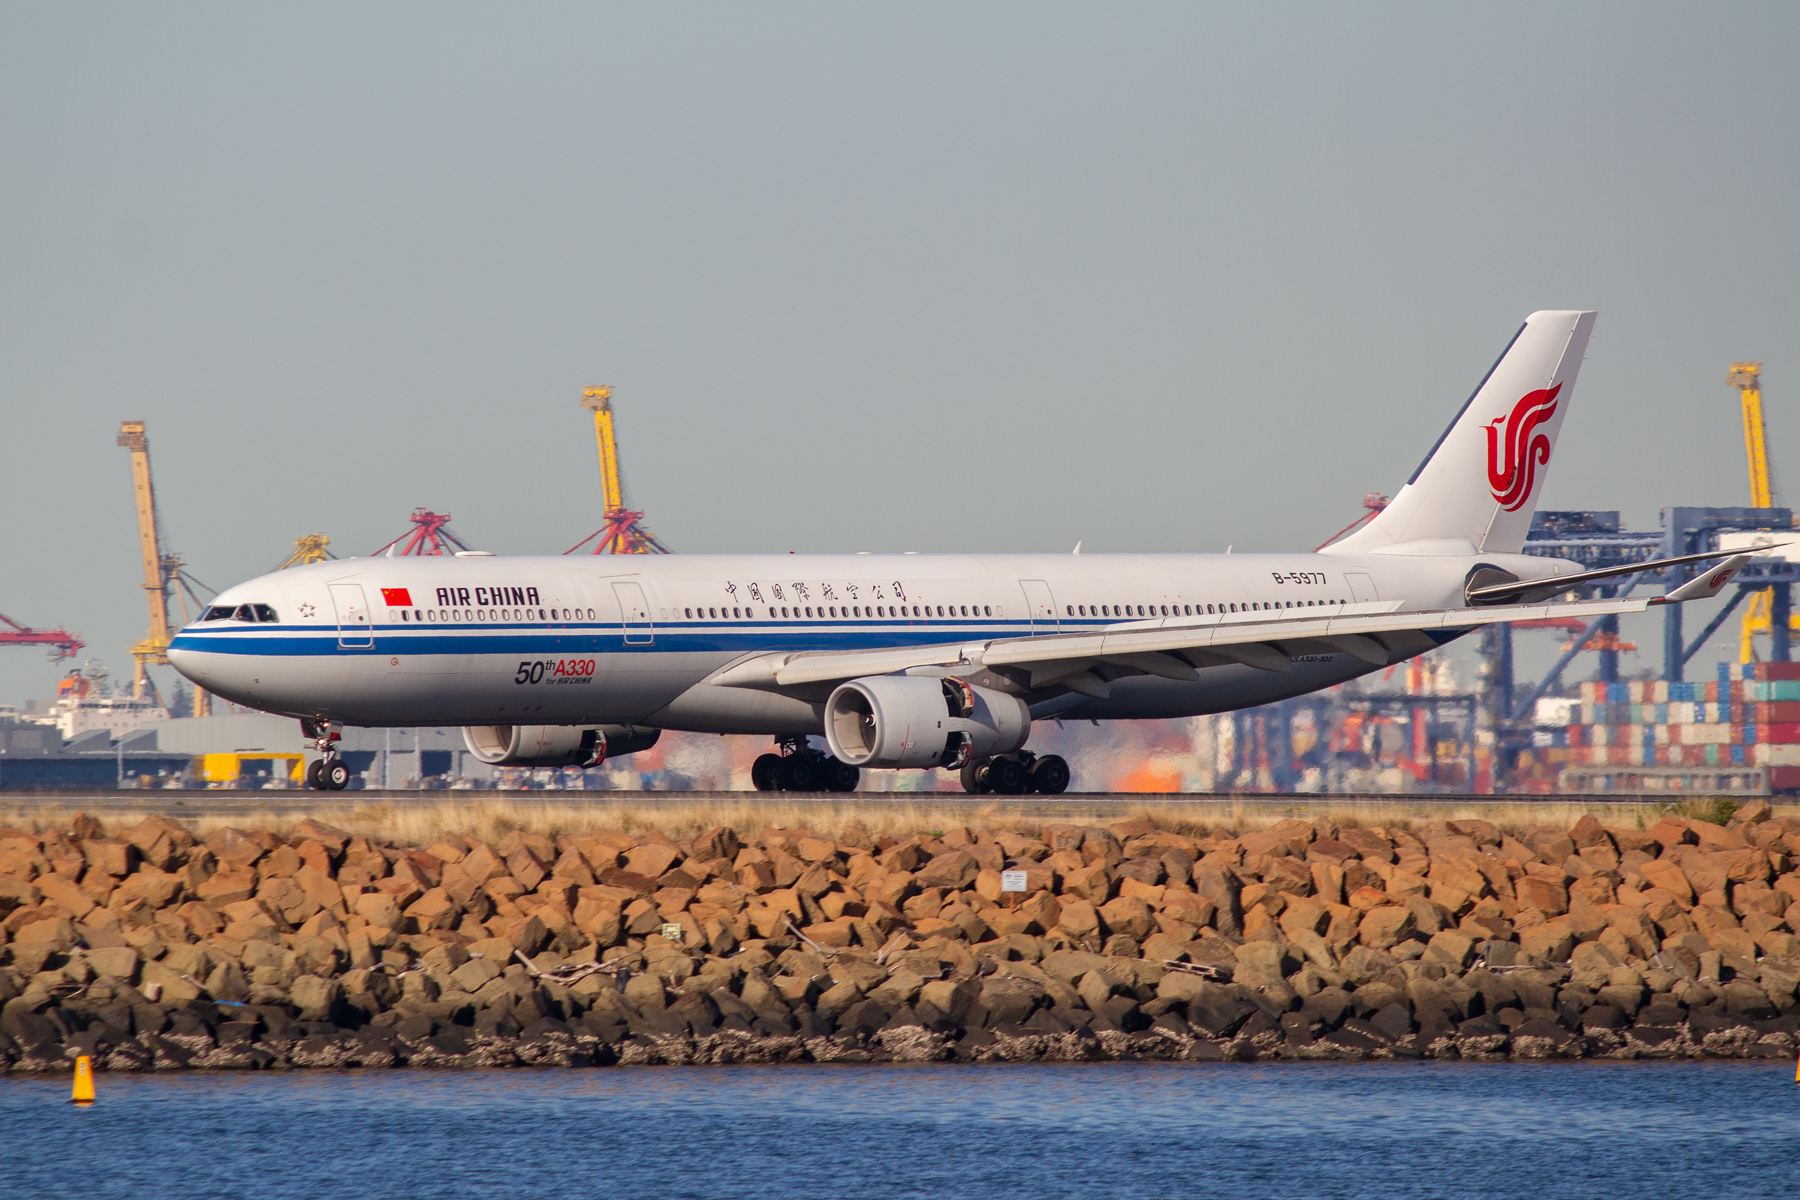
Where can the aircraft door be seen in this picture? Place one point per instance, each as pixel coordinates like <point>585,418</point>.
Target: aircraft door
<point>1040,604</point>
<point>635,612</point>
<point>1361,586</point>
<point>354,630</point>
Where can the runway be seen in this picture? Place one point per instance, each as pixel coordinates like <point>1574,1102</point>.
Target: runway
<point>1110,805</point>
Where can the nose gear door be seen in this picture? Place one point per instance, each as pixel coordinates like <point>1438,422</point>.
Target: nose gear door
<point>354,630</point>
<point>636,614</point>
<point>1040,604</point>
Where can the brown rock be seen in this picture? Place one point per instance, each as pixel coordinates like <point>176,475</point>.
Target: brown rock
<point>1665,874</point>
<point>109,856</point>
<point>235,849</point>
<point>630,881</point>
<point>1128,915</point>
<point>651,860</point>
<point>1545,895</point>
<point>481,864</point>
<point>433,910</point>
<point>1551,845</point>
<point>1079,919</point>
<point>1191,908</point>
<point>65,894</point>
<point>313,854</point>
<point>1669,832</point>
<point>1289,875</point>
<point>1093,883</point>
<point>953,870</point>
<point>1553,940</point>
<point>56,932</point>
<point>1385,927</point>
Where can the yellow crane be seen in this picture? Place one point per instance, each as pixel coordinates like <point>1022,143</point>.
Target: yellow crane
<point>161,572</point>
<point>624,531</point>
<point>308,549</point>
<point>1746,377</point>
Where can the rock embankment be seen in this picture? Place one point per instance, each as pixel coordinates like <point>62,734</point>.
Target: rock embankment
<point>153,949</point>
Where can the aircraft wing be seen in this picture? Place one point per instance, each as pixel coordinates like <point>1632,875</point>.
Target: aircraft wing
<point>1176,647</point>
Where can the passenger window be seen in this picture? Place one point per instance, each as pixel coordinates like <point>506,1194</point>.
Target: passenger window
<point>689,612</point>
<point>986,611</point>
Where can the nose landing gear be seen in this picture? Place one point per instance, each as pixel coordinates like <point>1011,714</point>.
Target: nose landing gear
<point>328,772</point>
<point>797,767</point>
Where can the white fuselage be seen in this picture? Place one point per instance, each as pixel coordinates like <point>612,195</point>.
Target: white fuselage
<point>634,640</point>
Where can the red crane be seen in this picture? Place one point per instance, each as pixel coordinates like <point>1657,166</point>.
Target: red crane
<point>62,643</point>
<point>430,534</point>
<point>1373,503</point>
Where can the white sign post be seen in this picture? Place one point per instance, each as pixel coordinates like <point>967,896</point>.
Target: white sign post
<point>1012,886</point>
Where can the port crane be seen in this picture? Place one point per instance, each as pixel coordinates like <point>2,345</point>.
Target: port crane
<point>163,576</point>
<point>430,535</point>
<point>624,531</point>
<point>1746,377</point>
<point>309,549</point>
<point>62,643</point>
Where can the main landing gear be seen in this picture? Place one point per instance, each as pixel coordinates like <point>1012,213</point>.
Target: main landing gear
<point>328,773</point>
<point>797,767</point>
<point>1017,774</point>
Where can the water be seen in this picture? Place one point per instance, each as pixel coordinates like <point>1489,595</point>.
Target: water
<point>987,1132</point>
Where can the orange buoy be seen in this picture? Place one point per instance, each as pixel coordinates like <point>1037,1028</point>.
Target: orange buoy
<point>84,1081</point>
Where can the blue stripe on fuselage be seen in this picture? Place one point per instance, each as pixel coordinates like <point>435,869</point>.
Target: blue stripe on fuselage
<point>281,641</point>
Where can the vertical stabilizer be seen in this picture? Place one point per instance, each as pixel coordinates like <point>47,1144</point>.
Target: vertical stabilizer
<point>1475,492</point>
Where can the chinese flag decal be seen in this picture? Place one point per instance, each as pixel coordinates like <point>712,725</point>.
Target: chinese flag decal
<point>397,597</point>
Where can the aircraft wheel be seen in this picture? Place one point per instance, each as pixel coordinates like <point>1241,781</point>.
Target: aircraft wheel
<point>334,775</point>
<point>975,778</point>
<point>805,773</point>
<point>313,777</point>
<point>1006,776</point>
<point>1050,775</point>
<point>841,776</point>
<point>765,773</point>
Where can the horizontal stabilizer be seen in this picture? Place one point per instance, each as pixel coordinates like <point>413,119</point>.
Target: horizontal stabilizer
<point>1705,587</point>
<point>1561,583</point>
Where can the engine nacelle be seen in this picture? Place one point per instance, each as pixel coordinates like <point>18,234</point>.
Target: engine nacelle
<point>554,745</point>
<point>921,721</point>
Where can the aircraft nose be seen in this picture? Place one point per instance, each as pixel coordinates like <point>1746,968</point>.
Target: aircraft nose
<point>188,663</point>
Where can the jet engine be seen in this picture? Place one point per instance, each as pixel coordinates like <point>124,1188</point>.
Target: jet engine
<point>554,745</point>
<point>921,721</point>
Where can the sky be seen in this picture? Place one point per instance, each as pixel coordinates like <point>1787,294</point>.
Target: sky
<point>934,277</point>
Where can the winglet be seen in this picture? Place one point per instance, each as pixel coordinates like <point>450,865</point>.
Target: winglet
<point>1707,585</point>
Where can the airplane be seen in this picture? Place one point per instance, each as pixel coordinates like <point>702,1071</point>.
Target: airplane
<point>914,661</point>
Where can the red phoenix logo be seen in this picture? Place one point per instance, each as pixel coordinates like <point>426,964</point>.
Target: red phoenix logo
<point>1512,469</point>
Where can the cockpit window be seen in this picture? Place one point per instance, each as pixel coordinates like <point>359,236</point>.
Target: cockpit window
<point>253,613</point>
